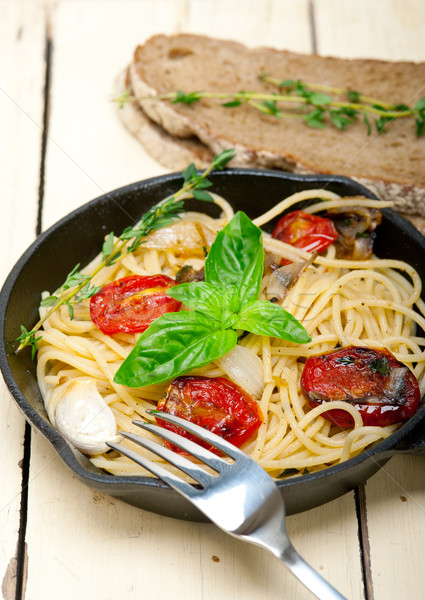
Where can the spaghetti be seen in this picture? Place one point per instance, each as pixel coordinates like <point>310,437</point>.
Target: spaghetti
<point>374,303</point>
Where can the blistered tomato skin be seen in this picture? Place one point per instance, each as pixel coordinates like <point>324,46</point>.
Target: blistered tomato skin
<point>132,303</point>
<point>215,403</point>
<point>305,231</point>
<point>382,389</point>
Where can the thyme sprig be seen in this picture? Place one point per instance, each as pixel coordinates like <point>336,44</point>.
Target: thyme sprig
<point>78,287</point>
<point>314,103</point>
<point>343,112</point>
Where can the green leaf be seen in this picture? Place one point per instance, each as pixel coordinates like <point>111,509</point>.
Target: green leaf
<point>319,99</point>
<point>287,83</point>
<point>380,124</point>
<point>204,297</point>
<point>189,172</point>
<point>87,292</point>
<point>28,338</point>
<point>221,160</point>
<point>263,318</point>
<point>339,119</point>
<point>269,107</point>
<point>380,365</point>
<point>353,96</point>
<point>108,246</point>
<point>70,310</point>
<point>236,258</point>
<point>124,98</point>
<point>189,98</point>
<point>201,195</point>
<point>231,104</point>
<point>49,301</point>
<point>315,118</point>
<point>401,108</point>
<point>367,123</point>
<point>420,124</point>
<point>420,104</point>
<point>173,345</point>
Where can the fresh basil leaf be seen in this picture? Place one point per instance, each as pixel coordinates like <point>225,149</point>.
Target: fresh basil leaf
<point>263,318</point>
<point>200,295</point>
<point>236,258</point>
<point>172,345</point>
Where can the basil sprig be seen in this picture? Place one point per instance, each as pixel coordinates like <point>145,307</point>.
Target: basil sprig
<point>226,303</point>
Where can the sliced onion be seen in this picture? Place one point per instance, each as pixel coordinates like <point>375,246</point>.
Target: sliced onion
<point>181,235</point>
<point>245,369</point>
<point>284,277</point>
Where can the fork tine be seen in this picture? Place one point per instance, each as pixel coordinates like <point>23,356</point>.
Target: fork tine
<point>185,465</point>
<point>173,481</point>
<point>189,446</point>
<point>200,432</point>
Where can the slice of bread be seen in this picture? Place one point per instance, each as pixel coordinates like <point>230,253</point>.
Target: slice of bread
<point>173,153</point>
<point>392,164</point>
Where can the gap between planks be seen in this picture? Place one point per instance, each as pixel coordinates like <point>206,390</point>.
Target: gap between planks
<point>21,552</point>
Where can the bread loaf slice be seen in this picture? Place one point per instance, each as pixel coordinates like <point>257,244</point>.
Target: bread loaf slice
<point>392,164</point>
<point>173,153</point>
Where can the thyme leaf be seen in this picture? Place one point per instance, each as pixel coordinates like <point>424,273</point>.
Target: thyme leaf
<point>338,107</point>
<point>77,286</point>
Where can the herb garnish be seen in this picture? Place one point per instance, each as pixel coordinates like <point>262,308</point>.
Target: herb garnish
<point>380,365</point>
<point>314,103</point>
<point>345,360</point>
<point>225,304</point>
<point>160,215</point>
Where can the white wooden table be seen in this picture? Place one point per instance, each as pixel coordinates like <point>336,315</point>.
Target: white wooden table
<point>62,144</point>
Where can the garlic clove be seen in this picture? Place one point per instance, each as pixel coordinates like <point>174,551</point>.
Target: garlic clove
<point>80,414</point>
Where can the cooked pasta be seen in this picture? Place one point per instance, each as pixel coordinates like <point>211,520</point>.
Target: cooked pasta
<point>374,303</point>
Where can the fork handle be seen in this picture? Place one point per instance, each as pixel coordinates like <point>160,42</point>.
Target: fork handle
<point>307,575</point>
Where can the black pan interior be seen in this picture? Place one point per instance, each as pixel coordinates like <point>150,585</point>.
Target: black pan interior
<point>78,238</point>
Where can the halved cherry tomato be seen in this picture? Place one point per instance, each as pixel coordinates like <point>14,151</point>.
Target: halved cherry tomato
<point>383,389</point>
<point>305,231</point>
<point>214,403</point>
<point>131,304</point>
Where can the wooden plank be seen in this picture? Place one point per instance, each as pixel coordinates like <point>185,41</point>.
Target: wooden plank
<point>395,498</point>
<point>97,547</point>
<point>22,41</point>
<point>382,29</point>
<point>395,502</point>
<point>88,147</point>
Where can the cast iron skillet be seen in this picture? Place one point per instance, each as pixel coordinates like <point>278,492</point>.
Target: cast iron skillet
<point>78,237</point>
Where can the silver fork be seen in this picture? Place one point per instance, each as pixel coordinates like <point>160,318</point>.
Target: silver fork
<point>242,499</point>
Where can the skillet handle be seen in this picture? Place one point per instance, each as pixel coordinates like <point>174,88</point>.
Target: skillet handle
<point>413,442</point>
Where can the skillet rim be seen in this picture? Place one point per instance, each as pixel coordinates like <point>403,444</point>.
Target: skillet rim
<point>74,460</point>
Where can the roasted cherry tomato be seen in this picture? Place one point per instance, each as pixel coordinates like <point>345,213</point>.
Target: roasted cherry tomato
<point>383,389</point>
<point>132,303</point>
<point>214,403</point>
<point>305,231</point>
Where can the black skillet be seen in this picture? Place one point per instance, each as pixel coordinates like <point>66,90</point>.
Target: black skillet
<point>78,237</point>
